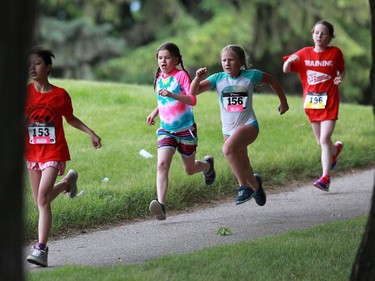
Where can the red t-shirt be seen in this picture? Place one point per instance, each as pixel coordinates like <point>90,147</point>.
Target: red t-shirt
<point>44,137</point>
<point>317,72</point>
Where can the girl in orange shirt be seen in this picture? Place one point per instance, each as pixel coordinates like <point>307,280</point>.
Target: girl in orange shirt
<point>46,149</point>
<point>321,69</point>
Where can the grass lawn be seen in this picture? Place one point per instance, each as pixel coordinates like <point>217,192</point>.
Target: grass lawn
<point>117,184</point>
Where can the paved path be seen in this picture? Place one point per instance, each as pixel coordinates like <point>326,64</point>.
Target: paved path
<point>350,196</point>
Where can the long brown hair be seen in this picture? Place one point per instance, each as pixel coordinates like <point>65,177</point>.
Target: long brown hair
<point>175,52</point>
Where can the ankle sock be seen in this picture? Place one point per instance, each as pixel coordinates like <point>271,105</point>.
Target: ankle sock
<point>41,246</point>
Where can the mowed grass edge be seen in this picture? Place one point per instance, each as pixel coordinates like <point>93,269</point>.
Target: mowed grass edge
<point>324,252</point>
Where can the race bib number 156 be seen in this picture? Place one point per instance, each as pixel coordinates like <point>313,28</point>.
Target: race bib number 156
<point>234,98</point>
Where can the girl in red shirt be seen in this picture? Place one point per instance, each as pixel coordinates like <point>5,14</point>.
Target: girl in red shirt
<point>321,69</point>
<point>46,149</point>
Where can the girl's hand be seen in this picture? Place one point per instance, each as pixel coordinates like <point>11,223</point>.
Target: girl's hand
<point>337,81</point>
<point>96,141</point>
<point>150,120</point>
<point>283,107</point>
<point>151,117</point>
<point>293,58</point>
<point>201,72</point>
<point>165,93</point>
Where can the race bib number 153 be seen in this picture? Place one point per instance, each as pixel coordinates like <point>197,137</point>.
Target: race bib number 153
<point>42,133</point>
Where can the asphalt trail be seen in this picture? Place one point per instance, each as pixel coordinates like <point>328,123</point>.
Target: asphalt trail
<point>137,242</point>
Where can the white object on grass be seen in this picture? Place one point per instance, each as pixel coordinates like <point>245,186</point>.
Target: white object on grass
<point>145,154</point>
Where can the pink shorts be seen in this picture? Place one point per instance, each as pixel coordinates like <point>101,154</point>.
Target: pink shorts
<point>40,166</point>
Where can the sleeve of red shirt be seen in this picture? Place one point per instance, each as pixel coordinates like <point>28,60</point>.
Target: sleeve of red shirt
<point>340,61</point>
<point>68,106</point>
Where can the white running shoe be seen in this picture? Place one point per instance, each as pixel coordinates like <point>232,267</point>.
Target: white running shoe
<point>71,179</point>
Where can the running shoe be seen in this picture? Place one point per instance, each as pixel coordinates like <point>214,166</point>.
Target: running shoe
<point>339,146</point>
<point>71,179</point>
<point>244,194</point>
<point>323,183</point>
<point>260,194</point>
<point>209,177</point>
<point>38,256</point>
<point>158,210</point>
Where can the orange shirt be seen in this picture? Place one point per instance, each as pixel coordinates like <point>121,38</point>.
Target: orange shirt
<point>317,72</point>
<point>44,136</point>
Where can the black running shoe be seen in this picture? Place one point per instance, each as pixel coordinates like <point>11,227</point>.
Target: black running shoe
<point>244,194</point>
<point>259,195</point>
<point>209,177</point>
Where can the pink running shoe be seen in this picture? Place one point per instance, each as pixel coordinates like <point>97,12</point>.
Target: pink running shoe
<point>323,183</point>
<point>339,146</point>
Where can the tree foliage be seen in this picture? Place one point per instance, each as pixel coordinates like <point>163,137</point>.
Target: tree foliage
<point>116,12</point>
<point>267,29</point>
<point>78,45</point>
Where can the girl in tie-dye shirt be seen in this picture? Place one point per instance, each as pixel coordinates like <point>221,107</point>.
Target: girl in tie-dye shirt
<point>177,127</point>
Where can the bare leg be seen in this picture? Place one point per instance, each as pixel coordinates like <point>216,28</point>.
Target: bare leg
<point>42,186</point>
<point>323,132</point>
<point>193,166</point>
<point>165,156</point>
<point>35,178</point>
<point>235,151</point>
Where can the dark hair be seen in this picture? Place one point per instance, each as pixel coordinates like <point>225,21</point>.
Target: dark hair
<point>327,24</point>
<point>175,52</point>
<point>238,51</point>
<point>45,54</point>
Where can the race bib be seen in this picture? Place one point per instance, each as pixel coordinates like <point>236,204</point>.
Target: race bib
<point>234,98</point>
<point>42,133</point>
<point>315,100</point>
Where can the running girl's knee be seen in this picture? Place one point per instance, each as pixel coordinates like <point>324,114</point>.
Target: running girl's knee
<point>189,170</point>
<point>43,200</point>
<point>163,166</point>
<point>228,150</point>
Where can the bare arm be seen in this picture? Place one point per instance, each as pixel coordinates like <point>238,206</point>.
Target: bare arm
<point>278,90</point>
<point>78,124</point>
<point>288,62</point>
<point>198,86</point>
<point>340,76</point>
<point>151,117</point>
<point>187,99</point>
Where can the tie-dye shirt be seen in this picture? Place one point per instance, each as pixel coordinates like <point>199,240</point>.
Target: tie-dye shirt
<point>174,115</point>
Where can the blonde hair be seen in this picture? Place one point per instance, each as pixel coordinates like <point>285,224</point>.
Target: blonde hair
<point>238,51</point>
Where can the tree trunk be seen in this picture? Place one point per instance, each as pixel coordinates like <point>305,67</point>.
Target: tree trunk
<point>16,29</point>
<point>364,265</point>
<point>372,71</point>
